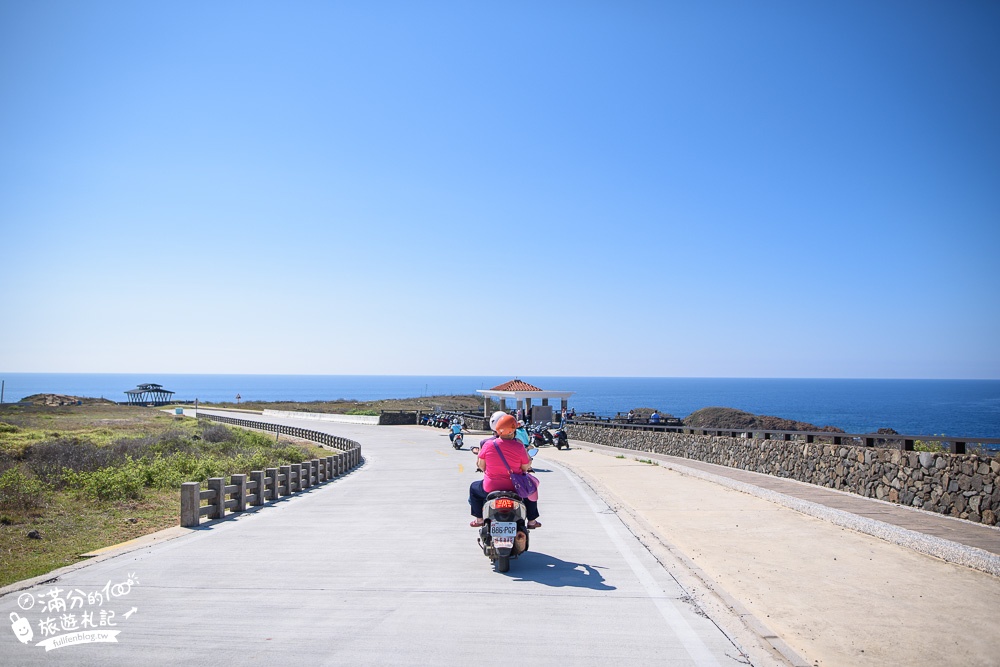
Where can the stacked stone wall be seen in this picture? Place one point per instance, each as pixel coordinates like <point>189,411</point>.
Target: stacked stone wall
<point>966,486</point>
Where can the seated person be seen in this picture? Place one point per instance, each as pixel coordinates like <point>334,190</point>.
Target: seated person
<point>496,475</point>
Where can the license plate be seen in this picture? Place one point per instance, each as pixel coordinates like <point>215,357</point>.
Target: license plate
<point>503,530</point>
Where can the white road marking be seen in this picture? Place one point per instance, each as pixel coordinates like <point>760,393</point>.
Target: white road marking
<point>685,633</point>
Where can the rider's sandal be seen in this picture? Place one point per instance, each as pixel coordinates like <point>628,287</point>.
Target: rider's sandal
<point>476,523</point>
<point>534,524</point>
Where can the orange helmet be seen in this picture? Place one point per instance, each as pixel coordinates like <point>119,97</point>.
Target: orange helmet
<point>506,426</point>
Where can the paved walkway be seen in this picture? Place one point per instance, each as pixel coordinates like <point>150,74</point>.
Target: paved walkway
<point>380,567</point>
<point>836,596</point>
<point>965,537</point>
<point>676,563</point>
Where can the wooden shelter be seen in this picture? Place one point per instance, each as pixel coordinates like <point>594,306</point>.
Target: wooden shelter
<point>148,394</point>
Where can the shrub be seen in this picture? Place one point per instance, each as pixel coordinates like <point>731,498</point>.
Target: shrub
<point>123,482</point>
<point>21,492</point>
<point>216,433</point>
<point>921,446</point>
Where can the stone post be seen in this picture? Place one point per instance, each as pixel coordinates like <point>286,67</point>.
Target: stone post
<point>240,481</point>
<point>272,484</point>
<point>284,488</point>
<point>190,504</point>
<point>218,503</point>
<point>257,477</point>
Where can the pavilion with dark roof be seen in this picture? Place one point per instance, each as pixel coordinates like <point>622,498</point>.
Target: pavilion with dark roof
<point>523,394</point>
<point>148,394</point>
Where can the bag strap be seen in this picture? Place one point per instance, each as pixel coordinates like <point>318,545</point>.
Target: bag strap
<point>506,465</point>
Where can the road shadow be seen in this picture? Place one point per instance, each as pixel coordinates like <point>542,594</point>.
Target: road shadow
<point>551,571</point>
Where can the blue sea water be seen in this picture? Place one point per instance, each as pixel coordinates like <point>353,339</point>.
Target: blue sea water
<point>916,407</point>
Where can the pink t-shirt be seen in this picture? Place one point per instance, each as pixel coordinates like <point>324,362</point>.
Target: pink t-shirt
<point>496,477</point>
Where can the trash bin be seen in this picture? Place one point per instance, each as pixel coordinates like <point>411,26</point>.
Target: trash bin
<point>178,411</point>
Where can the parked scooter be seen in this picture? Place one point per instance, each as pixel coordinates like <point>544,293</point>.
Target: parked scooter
<point>561,441</point>
<point>540,436</point>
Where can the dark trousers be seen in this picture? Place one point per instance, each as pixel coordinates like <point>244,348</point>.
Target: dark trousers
<point>477,498</point>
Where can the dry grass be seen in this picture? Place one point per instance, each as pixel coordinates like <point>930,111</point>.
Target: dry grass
<point>69,528</point>
<point>468,403</point>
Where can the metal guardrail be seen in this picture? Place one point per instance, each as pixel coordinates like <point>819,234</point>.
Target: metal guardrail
<point>269,484</point>
<point>953,444</point>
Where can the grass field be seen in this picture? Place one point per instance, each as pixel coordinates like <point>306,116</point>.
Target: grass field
<point>77,478</point>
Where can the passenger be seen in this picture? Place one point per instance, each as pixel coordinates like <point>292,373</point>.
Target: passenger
<point>496,476</point>
<point>521,434</point>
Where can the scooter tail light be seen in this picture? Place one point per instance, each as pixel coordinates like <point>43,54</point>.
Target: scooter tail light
<point>503,504</point>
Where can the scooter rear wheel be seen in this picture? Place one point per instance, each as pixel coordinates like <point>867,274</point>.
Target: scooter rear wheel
<point>501,564</point>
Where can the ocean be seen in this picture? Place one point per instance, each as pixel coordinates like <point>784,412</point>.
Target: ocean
<point>914,407</point>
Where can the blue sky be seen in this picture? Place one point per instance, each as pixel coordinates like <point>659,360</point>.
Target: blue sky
<point>717,189</point>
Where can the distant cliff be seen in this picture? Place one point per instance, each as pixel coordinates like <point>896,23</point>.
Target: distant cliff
<point>728,418</point>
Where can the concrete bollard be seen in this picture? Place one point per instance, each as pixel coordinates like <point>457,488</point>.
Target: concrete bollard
<point>190,504</point>
<point>260,483</point>
<point>218,503</point>
<point>284,487</point>
<point>272,483</point>
<point>240,482</point>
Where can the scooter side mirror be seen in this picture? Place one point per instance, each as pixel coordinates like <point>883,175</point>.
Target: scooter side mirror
<point>532,451</point>
<point>474,450</point>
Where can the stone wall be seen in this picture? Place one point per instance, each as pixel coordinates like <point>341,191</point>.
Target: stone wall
<point>398,418</point>
<point>961,485</point>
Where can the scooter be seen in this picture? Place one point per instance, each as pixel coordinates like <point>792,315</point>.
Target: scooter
<point>457,441</point>
<point>504,534</point>
<point>540,435</point>
<point>561,441</point>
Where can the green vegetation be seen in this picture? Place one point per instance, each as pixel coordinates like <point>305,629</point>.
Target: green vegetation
<point>921,446</point>
<point>90,476</point>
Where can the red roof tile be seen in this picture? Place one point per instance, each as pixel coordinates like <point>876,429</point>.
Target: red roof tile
<point>515,385</point>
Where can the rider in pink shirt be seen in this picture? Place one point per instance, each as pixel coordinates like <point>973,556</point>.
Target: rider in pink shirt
<point>496,475</point>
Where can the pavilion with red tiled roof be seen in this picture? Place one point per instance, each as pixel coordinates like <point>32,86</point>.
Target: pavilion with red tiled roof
<point>523,394</point>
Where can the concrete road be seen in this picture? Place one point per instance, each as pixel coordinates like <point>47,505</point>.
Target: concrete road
<point>380,567</point>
